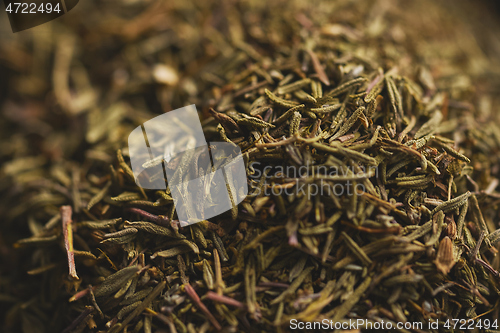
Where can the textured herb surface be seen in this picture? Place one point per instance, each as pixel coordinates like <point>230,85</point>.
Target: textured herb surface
<point>402,104</point>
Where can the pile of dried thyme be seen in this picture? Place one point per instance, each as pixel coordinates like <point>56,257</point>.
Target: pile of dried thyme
<point>370,158</point>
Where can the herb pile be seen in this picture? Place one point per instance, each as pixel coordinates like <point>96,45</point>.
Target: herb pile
<point>371,164</point>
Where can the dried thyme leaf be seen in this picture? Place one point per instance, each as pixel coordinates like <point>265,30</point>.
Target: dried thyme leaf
<point>115,281</point>
<point>445,258</point>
